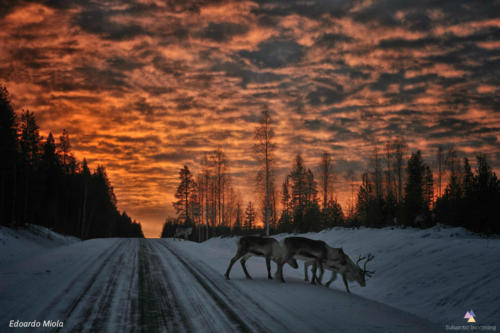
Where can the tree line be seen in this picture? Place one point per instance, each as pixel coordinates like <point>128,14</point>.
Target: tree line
<point>395,190</point>
<point>42,183</point>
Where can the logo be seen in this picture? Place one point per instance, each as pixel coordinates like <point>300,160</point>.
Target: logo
<point>470,316</point>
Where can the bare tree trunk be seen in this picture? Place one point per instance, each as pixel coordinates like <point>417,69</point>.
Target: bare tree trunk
<point>267,180</point>
<point>14,194</point>
<point>206,205</point>
<point>26,195</point>
<point>326,175</point>
<point>84,209</point>
<point>440,160</point>
<point>2,197</point>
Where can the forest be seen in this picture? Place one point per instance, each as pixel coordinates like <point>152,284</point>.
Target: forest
<point>399,188</point>
<point>41,182</point>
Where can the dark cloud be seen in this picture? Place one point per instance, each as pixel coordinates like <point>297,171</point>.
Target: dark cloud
<point>324,96</point>
<point>240,70</point>
<point>222,32</point>
<point>385,79</point>
<point>167,66</point>
<point>332,40</point>
<point>444,41</point>
<point>35,58</point>
<point>311,9</point>
<point>124,63</point>
<point>416,13</point>
<point>93,78</point>
<point>99,21</point>
<point>176,156</point>
<point>275,54</point>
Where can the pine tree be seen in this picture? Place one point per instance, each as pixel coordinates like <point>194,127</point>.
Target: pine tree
<point>332,215</point>
<point>298,178</point>
<point>428,188</point>
<point>64,148</point>
<point>184,192</point>
<point>416,205</point>
<point>440,170</point>
<point>250,215</point>
<point>238,221</point>
<point>30,144</point>
<point>326,177</point>
<point>9,154</point>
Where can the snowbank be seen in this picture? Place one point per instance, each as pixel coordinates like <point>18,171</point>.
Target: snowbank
<point>438,273</point>
<point>21,243</point>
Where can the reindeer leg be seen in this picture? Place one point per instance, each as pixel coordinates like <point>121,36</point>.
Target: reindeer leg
<point>346,285</point>
<point>334,276</point>
<point>243,261</point>
<point>315,266</point>
<point>279,271</point>
<point>231,263</point>
<point>268,264</point>
<point>322,271</point>
<point>306,267</point>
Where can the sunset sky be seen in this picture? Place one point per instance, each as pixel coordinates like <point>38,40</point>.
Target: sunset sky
<point>144,87</point>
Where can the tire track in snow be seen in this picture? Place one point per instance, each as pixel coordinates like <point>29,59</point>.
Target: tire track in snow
<point>100,262</point>
<point>99,308</point>
<point>158,307</point>
<point>249,315</point>
<point>205,312</point>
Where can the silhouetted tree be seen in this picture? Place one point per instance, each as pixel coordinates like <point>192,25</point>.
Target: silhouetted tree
<point>332,215</point>
<point>250,215</point>
<point>8,164</point>
<point>238,223</point>
<point>185,190</point>
<point>42,183</point>
<point>29,144</point>
<point>440,161</point>
<point>416,205</point>
<point>326,177</point>
<point>263,151</point>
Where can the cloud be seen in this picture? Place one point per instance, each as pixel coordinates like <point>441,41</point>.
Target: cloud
<point>99,21</point>
<point>222,32</point>
<point>331,40</point>
<point>145,87</point>
<point>275,54</point>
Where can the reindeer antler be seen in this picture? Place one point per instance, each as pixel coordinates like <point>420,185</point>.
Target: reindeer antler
<point>359,259</point>
<point>368,258</point>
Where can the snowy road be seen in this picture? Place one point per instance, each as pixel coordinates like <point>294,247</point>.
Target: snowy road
<point>159,285</point>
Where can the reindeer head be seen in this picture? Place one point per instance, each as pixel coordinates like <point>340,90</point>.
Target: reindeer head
<point>360,274</point>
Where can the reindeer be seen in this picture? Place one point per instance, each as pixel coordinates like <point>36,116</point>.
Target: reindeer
<point>258,246</point>
<point>309,250</point>
<point>183,232</point>
<point>350,271</point>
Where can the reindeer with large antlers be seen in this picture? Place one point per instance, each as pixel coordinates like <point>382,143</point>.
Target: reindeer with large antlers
<point>350,271</point>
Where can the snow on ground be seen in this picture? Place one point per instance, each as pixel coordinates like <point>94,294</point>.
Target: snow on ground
<point>437,274</point>
<point>16,244</point>
<point>165,285</point>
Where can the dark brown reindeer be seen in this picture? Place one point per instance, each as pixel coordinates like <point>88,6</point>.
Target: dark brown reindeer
<point>267,247</point>
<point>315,251</point>
<point>350,271</point>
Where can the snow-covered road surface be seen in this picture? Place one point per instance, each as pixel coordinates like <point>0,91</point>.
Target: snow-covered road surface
<point>162,285</point>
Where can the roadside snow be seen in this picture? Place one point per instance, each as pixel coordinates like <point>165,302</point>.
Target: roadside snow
<point>21,243</point>
<point>437,274</point>
<point>422,276</point>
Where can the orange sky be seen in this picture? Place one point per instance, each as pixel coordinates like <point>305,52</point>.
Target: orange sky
<point>144,87</point>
